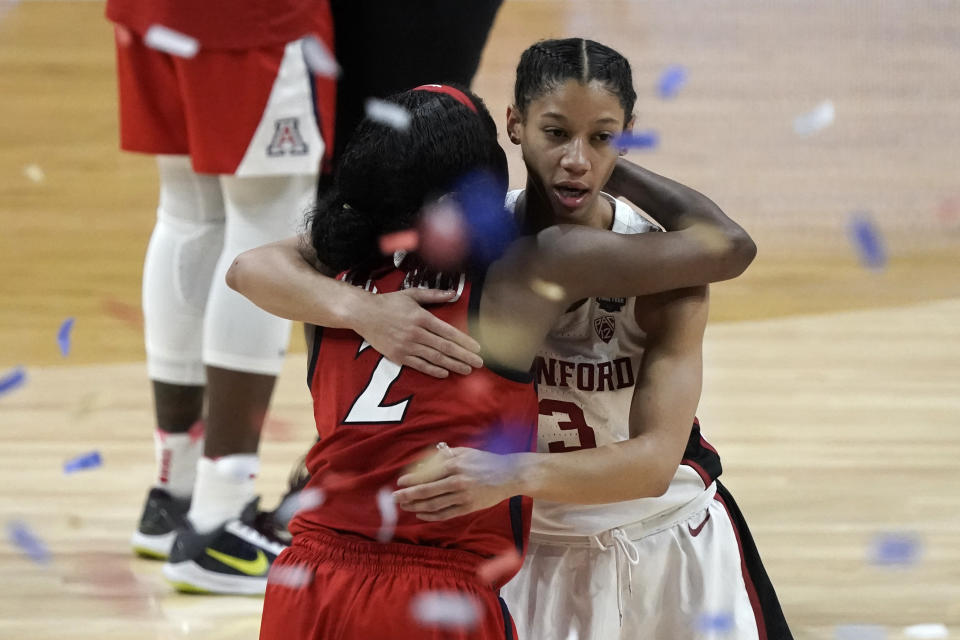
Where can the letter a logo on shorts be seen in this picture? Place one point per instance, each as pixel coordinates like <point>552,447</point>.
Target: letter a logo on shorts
<point>287,138</point>
<point>605,326</point>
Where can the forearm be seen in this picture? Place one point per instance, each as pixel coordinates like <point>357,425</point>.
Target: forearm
<point>277,279</point>
<point>673,205</point>
<point>626,470</point>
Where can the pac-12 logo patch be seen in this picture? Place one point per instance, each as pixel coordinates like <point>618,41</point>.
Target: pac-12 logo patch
<point>605,326</point>
<point>287,139</point>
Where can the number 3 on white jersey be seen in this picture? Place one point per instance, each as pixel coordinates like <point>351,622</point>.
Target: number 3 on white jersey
<point>368,407</point>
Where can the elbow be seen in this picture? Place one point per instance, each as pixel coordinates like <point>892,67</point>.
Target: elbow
<point>740,252</point>
<point>234,275</point>
<point>745,248</point>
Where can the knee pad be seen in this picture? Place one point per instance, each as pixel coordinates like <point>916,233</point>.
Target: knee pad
<point>237,334</point>
<point>178,269</point>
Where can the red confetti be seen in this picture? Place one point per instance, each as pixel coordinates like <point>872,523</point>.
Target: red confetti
<point>127,313</point>
<point>278,429</point>
<point>124,37</point>
<point>407,240</point>
<point>444,239</point>
<point>505,564</point>
<point>949,210</point>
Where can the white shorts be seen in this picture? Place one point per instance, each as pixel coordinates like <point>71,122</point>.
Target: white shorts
<point>693,574</point>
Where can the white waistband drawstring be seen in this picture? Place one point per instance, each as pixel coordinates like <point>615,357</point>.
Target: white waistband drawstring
<point>624,548</point>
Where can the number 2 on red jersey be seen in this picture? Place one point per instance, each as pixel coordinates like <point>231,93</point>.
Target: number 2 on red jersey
<point>368,407</point>
<point>575,420</point>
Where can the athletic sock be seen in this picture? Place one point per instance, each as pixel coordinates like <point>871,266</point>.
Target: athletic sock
<point>177,455</point>
<point>224,487</point>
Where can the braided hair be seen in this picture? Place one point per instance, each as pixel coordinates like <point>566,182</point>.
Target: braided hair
<point>549,63</point>
<point>386,175</point>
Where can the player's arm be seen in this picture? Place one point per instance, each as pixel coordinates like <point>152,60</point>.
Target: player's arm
<point>286,279</point>
<point>589,262</point>
<point>667,201</point>
<point>664,402</point>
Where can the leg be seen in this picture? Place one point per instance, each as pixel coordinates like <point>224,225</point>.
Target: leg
<point>383,48</point>
<point>176,280</point>
<point>243,347</point>
<point>565,592</point>
<point>702,578</point>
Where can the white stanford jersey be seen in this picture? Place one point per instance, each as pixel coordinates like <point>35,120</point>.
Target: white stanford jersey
<point>585,374</point>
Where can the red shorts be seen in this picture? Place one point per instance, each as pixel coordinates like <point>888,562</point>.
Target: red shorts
<point>361,590</point>
<point>232,111</point>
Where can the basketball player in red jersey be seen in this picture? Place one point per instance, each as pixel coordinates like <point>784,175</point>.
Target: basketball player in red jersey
<point>240,128</point>
<point>361,567</point>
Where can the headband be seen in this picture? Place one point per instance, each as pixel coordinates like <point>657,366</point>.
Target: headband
<point>456,94</point>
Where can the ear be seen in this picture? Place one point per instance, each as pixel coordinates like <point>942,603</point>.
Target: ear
<point>514,124</point>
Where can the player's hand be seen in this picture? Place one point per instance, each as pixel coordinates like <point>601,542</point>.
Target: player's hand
<point>456,482</point>
<point>398,326</point>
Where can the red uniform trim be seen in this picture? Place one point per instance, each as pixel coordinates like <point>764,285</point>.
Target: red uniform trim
<point>747,580</point>
<point>706,445</point>
<point>700,471</point>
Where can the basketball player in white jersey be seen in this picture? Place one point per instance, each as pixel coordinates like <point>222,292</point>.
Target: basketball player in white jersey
<point>632,534</point>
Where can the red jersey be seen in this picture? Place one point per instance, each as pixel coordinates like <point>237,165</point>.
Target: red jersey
<point>228,24</point>
<point>375,417</point>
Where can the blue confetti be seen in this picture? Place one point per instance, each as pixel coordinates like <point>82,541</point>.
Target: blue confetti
<point>895,549</point>
<point>637,140</point>
<point>672,80</point>
<point>63,337</point>
<point>866,237</point>
<point>90,460</point>
<point>13,380</point>
<point>21,537</point>
<point>716,623</point>
<point>859,632</point>
<point>490,226</point>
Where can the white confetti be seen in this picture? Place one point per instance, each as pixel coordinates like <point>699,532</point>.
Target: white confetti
<point>305,500</point>
<point>34,173</point>
<point>319,59</point>
<point>169,41</point>
<point>388,113</point>
<point>7,5</point>
<point>549,290</point>
<point>388,514</point>
<point>290,576</point>
<point>445,609</point>
<point>859,632</point>
<point>928,631</point>
<point>809,123</point>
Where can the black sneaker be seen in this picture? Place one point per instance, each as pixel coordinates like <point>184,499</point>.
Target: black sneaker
<point>233,559</point>
<point>162,515</point>
<point>276,523</point>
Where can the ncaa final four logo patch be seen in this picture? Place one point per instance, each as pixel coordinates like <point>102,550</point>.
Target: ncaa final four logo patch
<point>287,139</point>
<point>611,305</point>
<point>605,326</point>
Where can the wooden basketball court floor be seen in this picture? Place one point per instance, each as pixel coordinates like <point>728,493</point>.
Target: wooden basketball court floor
<point>831,390</point>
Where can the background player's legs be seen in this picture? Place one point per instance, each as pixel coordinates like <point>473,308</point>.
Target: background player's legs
<point>176,281</point>
<point>243,347</point>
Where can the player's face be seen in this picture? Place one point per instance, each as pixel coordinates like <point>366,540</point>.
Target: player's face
<point>566,138</point>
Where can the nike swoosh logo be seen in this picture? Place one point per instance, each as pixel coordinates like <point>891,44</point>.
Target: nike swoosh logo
<point>696,532</point>
<point>256,567</point>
